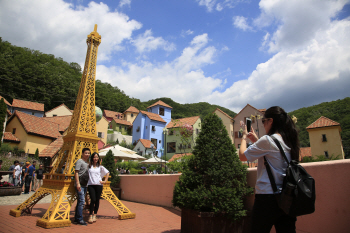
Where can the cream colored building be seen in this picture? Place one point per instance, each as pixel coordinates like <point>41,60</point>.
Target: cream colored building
<point>325,138</point>
<point>101,129</point>
<point>248,112</point>
<point>61,110</point>
<point>130,114</point>
<point>227,121</point>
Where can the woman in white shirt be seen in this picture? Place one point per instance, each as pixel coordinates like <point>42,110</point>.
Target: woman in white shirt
<point>95,184</point>
<point>266,211</point>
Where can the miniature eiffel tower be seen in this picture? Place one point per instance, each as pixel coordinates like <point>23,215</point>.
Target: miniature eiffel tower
<point>81,133</point>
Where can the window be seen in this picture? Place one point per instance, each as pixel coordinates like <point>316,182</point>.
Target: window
<point>154,141</point>
<point>138,129</point>
<point>54,115</point>
<point>153,128</point>
<point>120,127</point>
<point>326,154</point>
<point>132,114</point>
<point>99,134</point>
<point>160,141</point>
<point>13,130</point>
<point>180,146</point>
<point>238,134</point>
<point>324,138</point>
<point>146,127</point>
<point>125,128</point>
<point>197,131</point>
<point>161,111</point>
<point>171,147</point>
<point>171,132</point>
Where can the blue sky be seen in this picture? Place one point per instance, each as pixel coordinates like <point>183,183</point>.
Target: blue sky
<point>227,52</point>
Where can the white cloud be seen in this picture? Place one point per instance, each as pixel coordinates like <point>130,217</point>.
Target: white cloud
<point>125,3</point>
<point>147,42</point>
<point>241,23</point>
<point>219,5</point>
<point>60,28</point>
<point>186,33</point>
<point>181,79</point>
<point>209,4</point>
<point>318,72</point>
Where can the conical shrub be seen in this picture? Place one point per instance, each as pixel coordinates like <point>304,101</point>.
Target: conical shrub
<point>215,180</point>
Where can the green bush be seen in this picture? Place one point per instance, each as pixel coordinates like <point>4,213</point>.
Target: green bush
<point>179,164</point>
<point>215,179</point>
<point>108,162</point>
<point>319,158</point>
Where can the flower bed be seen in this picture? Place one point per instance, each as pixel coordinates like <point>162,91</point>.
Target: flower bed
<point>7,189</point>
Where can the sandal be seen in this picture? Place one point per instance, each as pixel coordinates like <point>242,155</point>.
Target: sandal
<point>90,219</point>
<point>94,218</point>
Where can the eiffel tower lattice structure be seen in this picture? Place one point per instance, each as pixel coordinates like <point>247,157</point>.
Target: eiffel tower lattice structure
<point>81,133</point>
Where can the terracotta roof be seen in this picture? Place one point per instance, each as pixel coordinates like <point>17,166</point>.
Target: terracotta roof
<point>146,143</point>
<point>132,109</point>
<point>122,122</point>
<point>304,152</point>
<point>62,121</point>
<point>223,113</point>
<point>6,102</point>
<point>28,105</point>
<point>37,125</point>
<point>249,106</point>
<point>177,156</point>
<point>111,114</point>
<point>58,107</point>
<point>159,102</point>
<point>178,122</point>
<point>8,112</point>
<point>8,136</point>
<point>322,122</point>
<point>153,116</point>
<point>53,148</point>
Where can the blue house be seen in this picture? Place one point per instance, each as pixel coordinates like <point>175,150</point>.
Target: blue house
<point>149,125</point>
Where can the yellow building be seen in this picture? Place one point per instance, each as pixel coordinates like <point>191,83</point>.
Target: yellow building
<point>31,131</point>
<point>325,138</point>
<point>61,110</point>
<point>227,121</point>
<point>102,128</point>
<point>130,114</point>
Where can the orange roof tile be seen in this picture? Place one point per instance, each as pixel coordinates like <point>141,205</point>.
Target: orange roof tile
<point>58,107</point>
<point>177,156</point>
<point>53,148</point>
<point>322,122</point>
<point>159,102</point>
<point>304,152</point>
<point>122,122</point>
<point>37,125</point>
<point>252,107</point>
<point>153,116</point>
<point>132,109</point>
<point>8,112</point>
<point>27,105</point>
<point>63,121</point>
<point>146,143</point>
<point>6,102</point>
<point>178,122</point>
<point>111,114</point>
<point>8,136</point>
<point>223,113</point>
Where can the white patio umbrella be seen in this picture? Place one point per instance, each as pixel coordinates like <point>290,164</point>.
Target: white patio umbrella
<point>117,152</point>
<point>154,160</point>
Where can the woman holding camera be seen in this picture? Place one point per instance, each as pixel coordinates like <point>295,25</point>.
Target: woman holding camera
<point>266,211</point>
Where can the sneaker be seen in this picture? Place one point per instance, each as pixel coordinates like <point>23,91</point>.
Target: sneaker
<point>82,223</point>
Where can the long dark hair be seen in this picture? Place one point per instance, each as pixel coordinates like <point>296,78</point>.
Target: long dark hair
<point>284,125</point>
<point>92,159</point>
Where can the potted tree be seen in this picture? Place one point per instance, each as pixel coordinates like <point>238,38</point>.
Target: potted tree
<point>212,188</point>
<point>108,162</point>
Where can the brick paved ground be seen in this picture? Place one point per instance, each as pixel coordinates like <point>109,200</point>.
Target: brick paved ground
<point>149,219</point>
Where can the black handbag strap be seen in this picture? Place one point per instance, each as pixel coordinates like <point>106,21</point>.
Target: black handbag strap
<point>268,168</point>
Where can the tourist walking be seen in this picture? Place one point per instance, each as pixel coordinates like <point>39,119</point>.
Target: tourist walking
<point>266,211</point>
<point>28,175</point>
<point>81,178</point>
<point>95,184</point>
<point>17,173</point>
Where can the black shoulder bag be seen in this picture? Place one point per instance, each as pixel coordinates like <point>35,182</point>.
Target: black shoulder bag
<point>298,191</point>
<point>84,178</point>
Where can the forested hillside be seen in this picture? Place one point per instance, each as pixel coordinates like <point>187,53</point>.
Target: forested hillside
<point>34,76</point>
<point>338,111</point>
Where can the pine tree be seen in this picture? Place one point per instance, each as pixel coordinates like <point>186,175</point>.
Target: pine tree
<point>36,155</point>
<point>109,164</point>
<point>215,179</point>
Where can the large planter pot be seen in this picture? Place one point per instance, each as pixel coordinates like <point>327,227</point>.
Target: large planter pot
<point>193,221</point>
<point>10,191</point>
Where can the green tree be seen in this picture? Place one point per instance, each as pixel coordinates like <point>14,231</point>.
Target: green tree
<point>3,110</point>
<point>109,164</point>
<point>215,180</point>
<point>36,155</point>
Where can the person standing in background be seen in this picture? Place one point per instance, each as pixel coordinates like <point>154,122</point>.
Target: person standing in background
<point>39,176</point>
<point>33,184</point>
